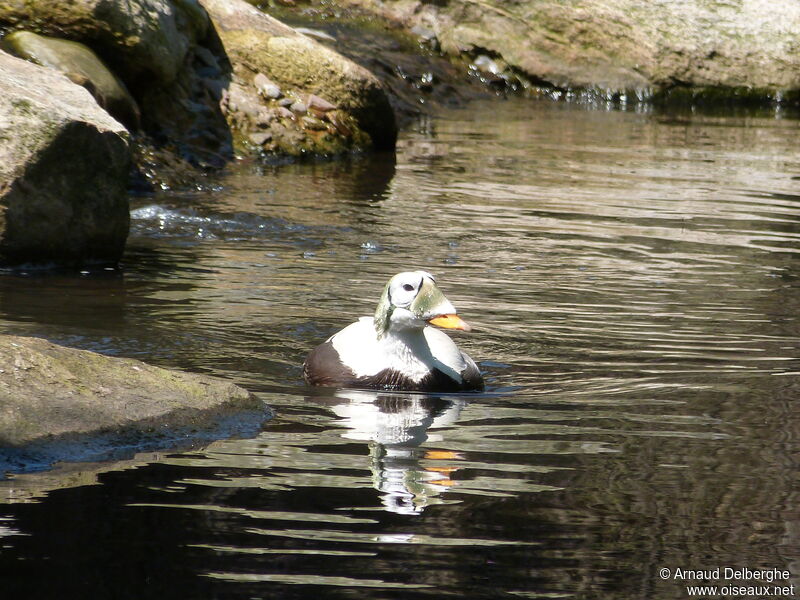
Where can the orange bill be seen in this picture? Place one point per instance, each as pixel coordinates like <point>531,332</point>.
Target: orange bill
<point>443,455</point>
<point>450,322</point>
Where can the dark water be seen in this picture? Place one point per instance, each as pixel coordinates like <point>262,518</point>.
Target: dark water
<point>633,285</point>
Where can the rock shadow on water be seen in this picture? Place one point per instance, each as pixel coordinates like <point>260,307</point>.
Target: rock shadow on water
<point>102,300</point>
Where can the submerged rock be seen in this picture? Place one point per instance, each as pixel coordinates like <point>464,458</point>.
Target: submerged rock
<point>82,66</point>
<point>51,392</point>
<point>64,165</point>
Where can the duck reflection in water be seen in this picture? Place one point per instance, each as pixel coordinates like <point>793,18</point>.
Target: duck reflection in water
<point>395,425</point>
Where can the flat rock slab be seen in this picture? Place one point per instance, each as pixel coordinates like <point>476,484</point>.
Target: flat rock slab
<point>49,393</point>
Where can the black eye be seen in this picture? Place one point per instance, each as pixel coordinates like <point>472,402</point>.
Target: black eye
<point>408,287</point>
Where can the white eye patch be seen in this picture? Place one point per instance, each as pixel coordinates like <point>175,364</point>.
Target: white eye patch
<point>404,287</point>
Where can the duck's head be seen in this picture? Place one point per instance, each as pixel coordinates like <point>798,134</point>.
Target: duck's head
<point>410,301</point>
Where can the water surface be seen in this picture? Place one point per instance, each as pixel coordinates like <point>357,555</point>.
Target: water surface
<point>632,280</point>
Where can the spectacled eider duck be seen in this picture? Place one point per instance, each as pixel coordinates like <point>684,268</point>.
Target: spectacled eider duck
<point>397,349</point>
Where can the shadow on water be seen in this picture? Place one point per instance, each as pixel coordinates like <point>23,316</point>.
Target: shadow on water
<point>633,287</point>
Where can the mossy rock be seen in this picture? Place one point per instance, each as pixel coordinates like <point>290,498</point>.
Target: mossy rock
<point>730,52</point>
<point>49,391</point>
<point>142,40</point>
<point>255,43</point>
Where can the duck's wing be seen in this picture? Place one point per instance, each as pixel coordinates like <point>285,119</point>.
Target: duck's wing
<point>452,361</point>
<point>473,380</point>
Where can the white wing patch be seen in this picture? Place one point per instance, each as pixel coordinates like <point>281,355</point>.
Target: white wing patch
<point>357,346</point>
<point>445,352</point>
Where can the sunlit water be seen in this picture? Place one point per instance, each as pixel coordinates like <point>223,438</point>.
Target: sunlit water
<point>633,285</point>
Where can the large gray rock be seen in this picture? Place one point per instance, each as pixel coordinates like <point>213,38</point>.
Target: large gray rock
<point>48,391</point>
<point>64,165</point>
<point>617,45</point>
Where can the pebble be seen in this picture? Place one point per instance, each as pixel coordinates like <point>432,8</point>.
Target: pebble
<point>284,112</point>
<point>266,87</point>
<point>318,104</point>
<point>299,107</point>
<point>265,117</point>
<point>260,138</point>
<point>241,102</point>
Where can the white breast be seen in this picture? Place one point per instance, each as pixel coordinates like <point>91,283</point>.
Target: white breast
<point>413,353</point>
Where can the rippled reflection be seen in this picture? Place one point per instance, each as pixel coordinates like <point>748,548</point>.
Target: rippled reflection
<point>395,425</point>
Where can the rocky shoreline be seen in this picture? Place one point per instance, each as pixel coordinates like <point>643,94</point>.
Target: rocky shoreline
<point>186,86</point>
<point>175,88</point>
<point>717,52</point>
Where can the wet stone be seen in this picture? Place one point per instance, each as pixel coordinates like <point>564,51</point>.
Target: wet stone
<point>260,138</point>
<point>266,87</point>
<point>318,104</point>
<point>265,117</point>
<point>423,33</point>
<point>486,65</point>
<point>299,107</point>
<point>284,112</point>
